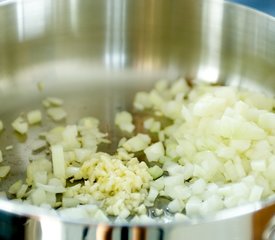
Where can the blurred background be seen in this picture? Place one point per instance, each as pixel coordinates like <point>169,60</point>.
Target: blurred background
<point>267,6</point>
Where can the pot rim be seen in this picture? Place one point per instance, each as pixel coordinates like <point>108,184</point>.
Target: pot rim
<point>35,212</point>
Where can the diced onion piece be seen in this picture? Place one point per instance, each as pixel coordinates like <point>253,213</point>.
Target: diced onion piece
<point>158,184</point>
<point>137,143</point>
<point>258,165</point>
<point>171,109</point>
<point>4,170</point>
<point>52,188</point>
<point>70,133</point>
<point>38,196</point>
<point>124,155</point>
<point>82,154</point>
<point>124,121</point>
<point>179,86</point>
<point>20,125</point>
<point>211,205</point>
<point>259,100</point>
<point>38,145</point>
<point>266,120</point>
<point>152,125</point>
<point>70,140</point>
<point>230,127</point>
<point>256,193</point>
<point>155,172</point>
<point>176,206</point>
<point>159,212</point>
<point>38,165</point>
<point>58,161</point>
<point>40,177</point>
<point>52,102</point>
<point>156,99</point>
<point>178,191</point>
<point>56,113</point>
<point>21,191</point>
<point>54,136</point>
<point>34,117</point>
<point>174,180</point>
<point>209,105</point>
<point>69,202</point>
<point>153,193</point>
<point>193,206</point>
<point>142,101</point>
<point>124,213</point>
<point>154,152</point>
<point>14,188</point>
<point>198,187</point>
<point>73,172</point>
<point>88,123</point>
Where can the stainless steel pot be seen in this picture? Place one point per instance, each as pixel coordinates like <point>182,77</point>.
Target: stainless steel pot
<point>96,54</point>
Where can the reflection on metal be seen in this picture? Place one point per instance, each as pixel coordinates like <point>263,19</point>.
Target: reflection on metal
<point>208,73</point>
<point>212,43</point>
<point>263,227</point>
<point>115,34</point>
<point>74,16</point>
<point>31,19</point>
<point>56,229</point>
<point>104,232</point>
<point>269,233</point>
<point>139,233</point>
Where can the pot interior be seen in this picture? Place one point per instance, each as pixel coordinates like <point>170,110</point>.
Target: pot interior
<point>97,54</point>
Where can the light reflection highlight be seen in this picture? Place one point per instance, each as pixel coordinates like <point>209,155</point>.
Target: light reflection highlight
<point>55,226</point>
<point>115,34</point>
<point>31,18</point>
<point>212,39</point>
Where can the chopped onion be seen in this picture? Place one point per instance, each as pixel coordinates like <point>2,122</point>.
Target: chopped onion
<point>207,148</point>
<point>38,197</point>
<point>34,117</point>
<point>56,113</point>
<point>52,102</point>
<point>155,172</point>
<point>69,202</point>
<point>153,193</point>
<point>142,101</point>
<point>14,188</point>
<point>4,171</point>
<point>21,191</point>
<point>176,206</point>
<point>58,161</point>
<point>20,125</point>
<point>154,152</point>
<point>124,121</point>
<point>137,143</point>
<point>152,125</point>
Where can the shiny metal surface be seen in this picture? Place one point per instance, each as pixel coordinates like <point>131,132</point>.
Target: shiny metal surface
<point>96,54</point>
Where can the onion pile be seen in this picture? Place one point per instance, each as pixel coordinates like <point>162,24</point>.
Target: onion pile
<point>202,148</point>
<point>219,148</point>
